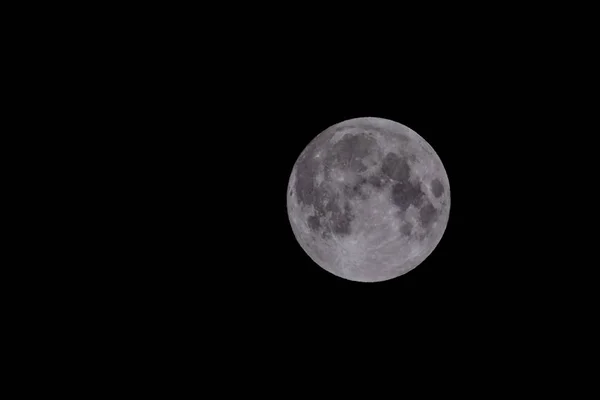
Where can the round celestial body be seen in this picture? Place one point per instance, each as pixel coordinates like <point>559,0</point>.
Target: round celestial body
<point>368,199</point>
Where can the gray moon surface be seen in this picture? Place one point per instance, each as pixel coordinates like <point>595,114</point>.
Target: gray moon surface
<point>368,199</point>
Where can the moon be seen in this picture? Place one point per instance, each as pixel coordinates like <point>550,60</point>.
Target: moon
<point>368,199</point>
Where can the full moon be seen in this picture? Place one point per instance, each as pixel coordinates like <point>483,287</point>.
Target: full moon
<point>368,199</point>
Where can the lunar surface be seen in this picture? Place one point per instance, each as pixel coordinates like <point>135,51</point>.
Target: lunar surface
<point>368,199</point>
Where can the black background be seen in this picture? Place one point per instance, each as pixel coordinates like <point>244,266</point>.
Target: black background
<point>157,144</point>
<point>195,131</point>
<point>233,131</point>
<point>202,128</point>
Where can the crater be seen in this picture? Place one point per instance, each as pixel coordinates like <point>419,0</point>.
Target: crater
<point>341,221</point>
<point>313,222</point>
<point>437,188</point>
<point>395,167</point>
<point>306,172</point>
<point>377,180</point>
<point>350,151</point>
<point>406,229</point>
<point>329,216</point>
<point>356,189</point>
<point>428,215</point>
<point>405,193</point>
<point>344,128</point>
